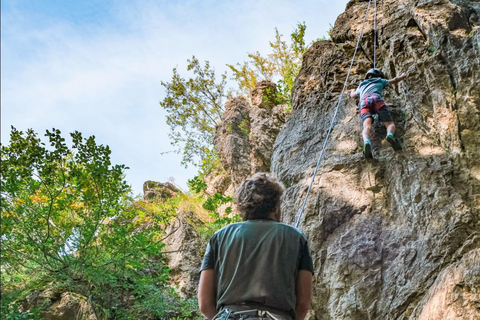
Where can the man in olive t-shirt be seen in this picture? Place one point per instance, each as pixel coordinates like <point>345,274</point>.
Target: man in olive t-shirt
<point>259,264</point>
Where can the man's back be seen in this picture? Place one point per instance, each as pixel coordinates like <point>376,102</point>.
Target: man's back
<point>257,261</point>
<point>260,267</point>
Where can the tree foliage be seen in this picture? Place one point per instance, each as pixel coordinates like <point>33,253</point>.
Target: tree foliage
<point>67,216</point>
<point>57,201</point>
<point>281,65</point>
<point>194,108</point>
<point>195,105</point>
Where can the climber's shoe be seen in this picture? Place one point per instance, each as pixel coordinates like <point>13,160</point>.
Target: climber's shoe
<point>393,142</point>
<point>367,150</point>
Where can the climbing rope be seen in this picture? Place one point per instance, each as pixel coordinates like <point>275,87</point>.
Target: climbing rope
<point>300,213</point>
<point>375,35</point>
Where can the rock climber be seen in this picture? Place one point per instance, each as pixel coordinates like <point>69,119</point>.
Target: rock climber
<point>370,92</point>
<point>260,268</point>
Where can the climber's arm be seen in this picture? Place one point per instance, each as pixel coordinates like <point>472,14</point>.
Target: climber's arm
<point>352,93</point>
<point>397,79</point>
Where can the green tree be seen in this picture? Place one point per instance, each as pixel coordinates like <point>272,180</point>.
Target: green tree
<point>68,220</point>
<point>195,105</point>
<point>281,65</point>
<point>194,108</point>
<point>56,201</point>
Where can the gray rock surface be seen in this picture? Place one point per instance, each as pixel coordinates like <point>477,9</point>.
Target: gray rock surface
<point>158,191</point>
<point>58,305</point>
<point>184,244</point>
<point>244,139</point>
<point>397,237</point>
<point>232,140</point>
<point>266,119</point>
<point>184,250</point>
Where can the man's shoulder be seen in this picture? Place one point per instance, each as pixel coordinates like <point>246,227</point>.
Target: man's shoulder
<point>286,226</point>
<point>228,228</point>
<point>280,226</point>
<point>290,230</point>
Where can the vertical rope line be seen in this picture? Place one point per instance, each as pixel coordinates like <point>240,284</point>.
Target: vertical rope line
<point>375,35</point>
<point>300,213</point>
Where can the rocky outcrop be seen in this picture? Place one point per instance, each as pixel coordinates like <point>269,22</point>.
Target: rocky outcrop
<point>71,306</point>
<point>58,305</point>
<point>267,117</point>
<point>183,242</point>
<point>217,181</point>
<point>185,248</point>
<point>397,237</point>
<point>158,191</point>
<point>232,139</point>
<point>244,139</point>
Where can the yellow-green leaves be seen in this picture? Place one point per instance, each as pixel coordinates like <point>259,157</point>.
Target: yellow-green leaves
<point>281,65</point>
<point>56,198</point>
<point>67,218</point>
<point>194,107</point>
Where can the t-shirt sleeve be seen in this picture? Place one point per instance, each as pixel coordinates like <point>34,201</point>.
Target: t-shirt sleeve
<point>208,261</point>
<point>305,262</point>
<point>385,82</point>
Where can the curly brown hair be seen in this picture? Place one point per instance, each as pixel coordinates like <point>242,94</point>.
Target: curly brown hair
<point>259,196</point>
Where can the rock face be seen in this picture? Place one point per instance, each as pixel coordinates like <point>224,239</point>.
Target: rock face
<point>266,119</point>
<point>58,305</point>
<point>184,251</point>
<point>244,139</point>
<point>397,237</point>
<point>184,244</point>
<point>231,139</point>
<point>159,191</point>
<point>70,307</point>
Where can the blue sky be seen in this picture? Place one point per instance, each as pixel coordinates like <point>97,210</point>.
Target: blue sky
<point>96,65</point>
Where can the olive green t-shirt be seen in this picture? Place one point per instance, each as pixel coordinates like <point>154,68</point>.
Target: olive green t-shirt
<point>257,261</point>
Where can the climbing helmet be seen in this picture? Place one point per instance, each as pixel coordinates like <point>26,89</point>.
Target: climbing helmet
<point>374,73</point>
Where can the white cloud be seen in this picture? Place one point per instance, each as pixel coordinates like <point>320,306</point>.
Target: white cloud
<point>104,78</point>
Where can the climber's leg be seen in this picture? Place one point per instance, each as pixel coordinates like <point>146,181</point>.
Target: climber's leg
<point>390,125</point>
<point>385,116</point>
<point>367,121</point>
<point>391,136</point>
<point>367,127</point>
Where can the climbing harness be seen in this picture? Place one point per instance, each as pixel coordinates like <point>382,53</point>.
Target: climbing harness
<point>371,100</point>
<point>302,209</point>
<point>253,314</point>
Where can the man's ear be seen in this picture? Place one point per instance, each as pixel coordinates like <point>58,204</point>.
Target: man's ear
<point>276,215</point>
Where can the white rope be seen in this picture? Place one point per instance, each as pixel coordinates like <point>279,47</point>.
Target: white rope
<point>300,213</point>
<point>375,36</point>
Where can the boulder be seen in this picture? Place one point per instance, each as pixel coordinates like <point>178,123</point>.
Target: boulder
<point>158,191</point>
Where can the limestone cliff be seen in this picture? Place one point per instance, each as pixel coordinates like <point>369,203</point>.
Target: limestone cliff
<point>397,237</point>
<point>244,139</point>
<point>182,239</point>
